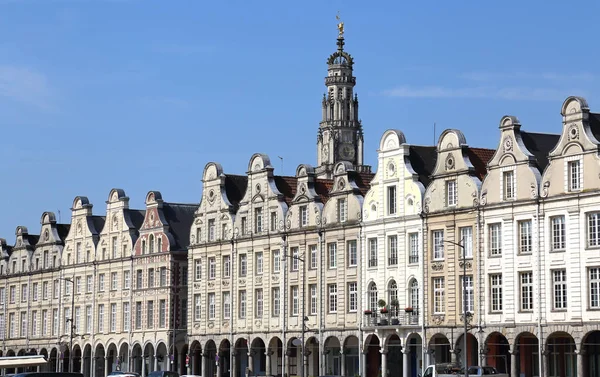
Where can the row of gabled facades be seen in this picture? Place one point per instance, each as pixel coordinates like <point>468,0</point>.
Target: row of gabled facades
<point>370,274</point>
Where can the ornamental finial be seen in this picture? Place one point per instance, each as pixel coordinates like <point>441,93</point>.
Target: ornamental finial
<point>340,25</point>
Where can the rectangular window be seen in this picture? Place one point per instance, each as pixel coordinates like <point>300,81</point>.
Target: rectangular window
<point>466,240</point>
<point>341,208</point>
<point>276,261</point>
<point>126,279</point>
<point>332,289</point>
<point>468,290</point>
<point>438,295</point>
<point>44,324</point>
<point>525,237</point>
<point>303,216</point>
<point>495,239</point>
<point>150,277</point>
<point>114,283</point>
<point>162,314</point>
<point>12,323</point>
<point>559,278</point>
<point>46,259</point>
<point>593,229</point>
<point>211,230</point>
<point>77,319</point>
<point>223,231</point>
<point>391,199</point>
<point>88,319</point>
<point>313,299</point>
<point>45,291</point>
<point>11,294</point>
<point>313,257</point>
<point>54,322</point>
<point>34,323</point>
<point>138,315</point>
<point>258,297</point>
<point>78,285</point>
<point>34,291</point>
<point>496,292</point>
<point>276,302</point>
<point>372,252</point>
<point>508,184</point>
<point>24,293</point>
<point>295,262</point>
<point>227,266</point>
<point>150,314</point>
<point>352,297</point>
<point>451,194</point>
<point>273,221</point>
<point>259,263</point>
<point>294,304</point>
<point>212,306</point>
<point>413,248</point>
<point>594,287</point>
<point>244,225</point>
<point>242,304</point>
<point>332,254</point>
<point>23,324</point>
<point>526,291</point>
<point>88,283</point>
<point>101,318</point>
<point>258,220</point>
<point>212,268</point>
<point>184,313</point>
<point>574,175</point>
<point>558,233</point>
<point>197,269</point>
<point>438,244</point>
<point>352,254</point>
<point>226,305</point>
<point>113,317</point>
<point>126,316</point>
<point>197,307</point>
<point>243,264</point>
<point>78,253</point>
<point>392,250</point>
<point>139,279</point>
<point>114,247</point>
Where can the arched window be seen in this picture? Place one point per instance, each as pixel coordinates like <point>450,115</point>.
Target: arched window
<point>392,292</point>
<point>158,244</point>
<point>372,297</point>
<point>151,242</point>
<point>143,246</point>
<point>414,295</point>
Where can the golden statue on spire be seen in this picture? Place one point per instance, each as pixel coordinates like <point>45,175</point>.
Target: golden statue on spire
<point>340,25</point>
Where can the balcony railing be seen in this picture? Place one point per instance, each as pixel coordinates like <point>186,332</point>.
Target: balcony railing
<point>391,318</point>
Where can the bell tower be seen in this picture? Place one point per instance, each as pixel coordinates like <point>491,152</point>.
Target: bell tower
<point>340,135</point>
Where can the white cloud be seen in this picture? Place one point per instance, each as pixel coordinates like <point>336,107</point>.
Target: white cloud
<point>507,93</point>
<point>24,85</point>
<point>548,76</point>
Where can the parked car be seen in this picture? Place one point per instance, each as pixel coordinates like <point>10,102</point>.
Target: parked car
<point>121,373</point>
<point>483,371</point>
<point>163,373</point>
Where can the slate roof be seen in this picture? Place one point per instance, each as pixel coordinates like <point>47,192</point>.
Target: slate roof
<point>180,218</point>
<point>98,222</point>
<point>287,186</point>
<point>595,125</point>
<point>479,158</point>
<point>422,160</point>
<point>136,216</point>
<point>63,231</point>
<point>33,239</point>
<point>540,145</point>
<point>235,188</point>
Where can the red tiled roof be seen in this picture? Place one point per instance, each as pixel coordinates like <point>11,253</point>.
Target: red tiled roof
<point>287,186</point>
<point>479,158</point>
<point>322,187</point>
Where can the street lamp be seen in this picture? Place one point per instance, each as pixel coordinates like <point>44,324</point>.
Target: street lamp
<point>70,320</point>
<point>464,293</point>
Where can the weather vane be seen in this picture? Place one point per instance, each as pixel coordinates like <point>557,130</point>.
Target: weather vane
<point>340,25</point>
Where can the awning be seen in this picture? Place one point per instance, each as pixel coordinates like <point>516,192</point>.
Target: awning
<point>22,361</point>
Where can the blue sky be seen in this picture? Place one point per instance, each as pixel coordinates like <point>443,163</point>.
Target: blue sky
<point>141,94</point>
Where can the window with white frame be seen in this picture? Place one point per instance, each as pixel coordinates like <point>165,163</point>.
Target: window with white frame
<point>466,240</point>
<point>593,229</point>
<point>341,208</point>
<point>413,248</point>
<point>372,252</point>
<point>212,306</point>
<point>276,261</point>
<point>295,300</point>
<point>243,264</point>
<point>295,261</point>
<point>372,304</point>
<point>244,225</point>
<point>211,230</point>
<point>594,287</point>
<point>242,304</point>
<point>101,318</point>
<point>34,291</point>
<point>392,250</point>
<point>45,323</point>
<point>414,296</point>
<point>34,323</point>
<point>23,324</point>
<point>392,292</point>
<point>162,314</point>
<point>352,297</point>
<point>54,322</point>
<point>496,292</point>
<point>276,300</point>
<point>303,216</point>
<point>332,254</point>
<point>508,185</point>
<point>525,237</point>
<point>575,176</point>
<point>227,266</point>
<point>113,317</point>
<point>259,262</point>
<point>114,281</point>
<point>469,297</point>
<point>197,306</point>
<point>314,257</point>
<point>559,279</point>
<point>258,220</point>
<point>150,314</point>
<point>391,199</point>
<point>11,325</point>
<point>258,296</point>
<point>197,269</point>
<point>313,299</point>
<point>226,305</point>
<point>46,290</point>
<point>438,296</point>
<point>559,236</point>
<point>332,288</point>
<point>273,221</point>
<point>352,255</point>
<point>495,239</point>
<point>101,282</point>
<point>451,194</point>
<point>212,268</point>
<point>438,244</point>
<point>526,280</point>
<point>138,315</point>
<point>126,316</point>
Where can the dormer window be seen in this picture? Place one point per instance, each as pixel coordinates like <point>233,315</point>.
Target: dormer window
<point>258,219</point>
<point>342,216</point>
<point>574,175</point>
<point>451,194</point>
<point>273,221</point>
<point>303,216</point>
<point>508,185</point>
<point>151,243</point>
<point>391,199</point>
<point>211,230</point>
<point>23,265</point>
<point>143,248</point>
<point>78,253</point>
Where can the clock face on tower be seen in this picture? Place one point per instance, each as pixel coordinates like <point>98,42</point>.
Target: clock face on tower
<point>346,152</point>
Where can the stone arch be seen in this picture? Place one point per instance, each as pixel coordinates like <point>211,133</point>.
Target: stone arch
<point>162,356</point>
<point>343,167</point>
<point>413,344</point>
<point>527,345</point>
<point>573,105</point>
<point>332,359</point>
<point>99,355</point>
<point>439,348</point>
<point>258,162</point>
<point>87,360</point>
<point>590,346</point>
<point>241,362</point>
<point>81,202</point>
<point>111,356</point>
<point>394,347</point>
<point>148,357</point>
<point>451,139</point>
<point>472,349</point>
<point>303,170</point>
<point>508,159</point>
<point>48,218</point>
<point>351,348</point>
<point>116,194</point>
<point>123,356</point>
<point>561,347</point>
<point>497,351</point>
<point>153,197</point>
<point>372,348</point>
<point>212,170</point>
<point>224,355</point>
<point>391,139</point>
<point>509,121</point>
<point>77,359</point>
<point>137,357</point>
<point>258,362</point>
<point>195,353</point>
